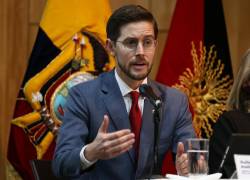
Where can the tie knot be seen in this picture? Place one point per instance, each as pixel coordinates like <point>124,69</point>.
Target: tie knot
<point>135,96</point>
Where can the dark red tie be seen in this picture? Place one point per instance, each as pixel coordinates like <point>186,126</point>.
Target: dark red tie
<point>135,119</point>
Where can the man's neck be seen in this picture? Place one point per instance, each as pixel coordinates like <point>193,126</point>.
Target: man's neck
<point>133,84</point>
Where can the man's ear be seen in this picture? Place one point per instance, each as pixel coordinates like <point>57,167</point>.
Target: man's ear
<point>110,47</point>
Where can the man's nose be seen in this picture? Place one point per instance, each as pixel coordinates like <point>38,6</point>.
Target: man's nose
<point>139,48</point>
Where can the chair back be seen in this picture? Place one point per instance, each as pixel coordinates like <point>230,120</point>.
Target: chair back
<point>42,170</point>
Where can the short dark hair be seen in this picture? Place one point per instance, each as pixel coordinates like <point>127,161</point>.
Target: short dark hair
<point>127,14</point>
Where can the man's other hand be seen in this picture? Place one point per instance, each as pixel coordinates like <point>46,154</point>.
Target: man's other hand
<point>181,160</point>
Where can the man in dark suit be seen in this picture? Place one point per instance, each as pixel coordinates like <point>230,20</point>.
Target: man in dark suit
<point>97,139</point>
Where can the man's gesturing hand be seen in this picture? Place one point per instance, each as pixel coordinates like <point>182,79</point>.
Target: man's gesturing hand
<point>108,145</point>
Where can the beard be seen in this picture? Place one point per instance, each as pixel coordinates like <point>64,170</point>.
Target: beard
<point>129,71</point>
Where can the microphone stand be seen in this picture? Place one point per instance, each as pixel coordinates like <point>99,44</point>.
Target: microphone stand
<point>156,168</point>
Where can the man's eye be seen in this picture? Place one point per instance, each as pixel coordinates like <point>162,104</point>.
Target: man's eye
<point>131,42</point>
<point>148,41</point>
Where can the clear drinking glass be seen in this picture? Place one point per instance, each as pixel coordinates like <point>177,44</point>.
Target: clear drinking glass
<point>197,157</point>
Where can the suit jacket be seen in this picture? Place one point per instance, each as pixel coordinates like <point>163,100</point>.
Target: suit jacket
<point>229,122</point>
<point>86,105</point>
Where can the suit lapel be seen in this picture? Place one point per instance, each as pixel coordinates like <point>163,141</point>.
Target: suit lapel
<point>115,105</point>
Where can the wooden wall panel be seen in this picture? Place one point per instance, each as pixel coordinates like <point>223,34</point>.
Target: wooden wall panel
<point>237,17</point>
<point>231,11</point>
<point>14,41</point>
<point>160,47</point>
<point>163,10</point>
<point>118,3</point>
<point>35,13</point>
<point>19,22</point>
<point>244,27</point>
<point>35,10</point>
<point>33,29</point>
<point>3,55</point>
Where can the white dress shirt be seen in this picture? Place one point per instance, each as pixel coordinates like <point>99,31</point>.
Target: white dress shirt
<point>125,90</point>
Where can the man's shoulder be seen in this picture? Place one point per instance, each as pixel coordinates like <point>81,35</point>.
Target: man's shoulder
<point>165,89</point>
<point>94,83</point>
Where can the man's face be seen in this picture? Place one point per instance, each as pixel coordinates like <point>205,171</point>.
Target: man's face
<point>134,50</point>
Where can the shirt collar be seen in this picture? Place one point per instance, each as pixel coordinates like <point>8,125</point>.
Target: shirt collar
<point>125,89</point>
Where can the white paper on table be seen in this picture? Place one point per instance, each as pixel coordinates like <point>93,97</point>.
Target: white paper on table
<point>242,163</point>
<point>214,176</point>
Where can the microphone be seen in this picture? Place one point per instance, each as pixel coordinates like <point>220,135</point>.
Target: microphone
<point>148,92</point>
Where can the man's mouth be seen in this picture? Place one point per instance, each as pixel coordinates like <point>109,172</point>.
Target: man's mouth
<point>139,65</point>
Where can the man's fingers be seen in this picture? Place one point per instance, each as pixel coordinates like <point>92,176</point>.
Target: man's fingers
<point>110,145</point>
<point>117,134</point>
<point>105,123</point>
<point>182,164</point>
<point>180,149</point>
<point>116,153</point>
<point>120,143</point>
<point>182,160</point>
<point>121,148</point>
